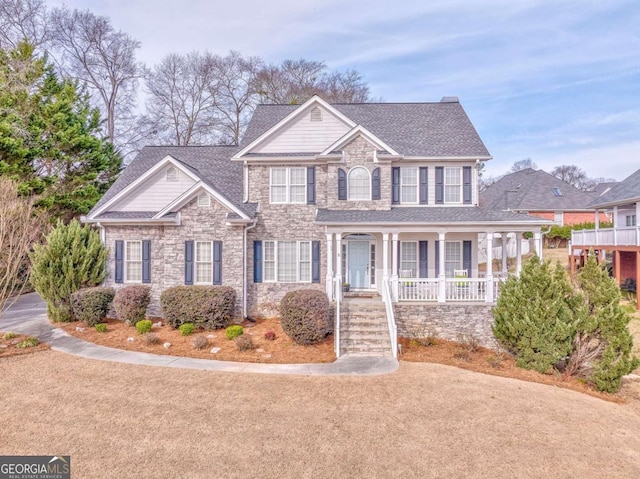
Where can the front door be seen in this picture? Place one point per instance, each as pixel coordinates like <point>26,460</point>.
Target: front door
<point>358,267</point>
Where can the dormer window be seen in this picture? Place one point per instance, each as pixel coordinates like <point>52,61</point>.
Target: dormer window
<point>172,174</point>
<point>316,114</point>
<point>204,199</point>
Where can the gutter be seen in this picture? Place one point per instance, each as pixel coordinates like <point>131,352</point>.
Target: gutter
<point>244,267</point>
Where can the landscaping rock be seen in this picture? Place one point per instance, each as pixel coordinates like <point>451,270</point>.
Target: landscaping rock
<point>259,350</point>
<point>266,356</point>
<point>211,336</point>
<point>79,329</point>
<point>215,350</point>
<point>167,345</point>
<point>130,340</point>
<point>157,325</point>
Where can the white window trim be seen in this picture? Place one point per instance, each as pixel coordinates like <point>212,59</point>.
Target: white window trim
<point>275,262</point>
<point>349,184</point>
<point>444,185</point>
<point>460,263</point>
<point>631,220</point>
<point>127,261</point>
<point>204,199</point>
<point>287,185</point>
<point>417,186</point>
<point>560,215</point>
<point>400,261</point>
<point>196,262</point>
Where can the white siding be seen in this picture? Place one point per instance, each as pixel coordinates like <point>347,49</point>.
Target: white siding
<point>155,193</point>
<point>305,136</point>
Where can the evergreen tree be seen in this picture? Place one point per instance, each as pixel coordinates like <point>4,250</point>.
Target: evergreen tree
<point>49,139</point>
<point>602,345</point>
<point>533,317</point>
<point>73,257</point>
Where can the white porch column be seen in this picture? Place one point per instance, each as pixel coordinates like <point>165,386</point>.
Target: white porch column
<point>518,253</point>
<point>537,241</point>
<point>394,265</point>
<point>505,268</point>
<point>489,297</point>
<point>442,286</point>
<point>330,287</point>
<point>385,256</point>
<point>638,229</point>
<point>615,225</point>
<point>339,278</point>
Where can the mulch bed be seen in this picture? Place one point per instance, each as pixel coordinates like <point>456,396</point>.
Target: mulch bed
<point>281,350</point>
<point>9,347</point>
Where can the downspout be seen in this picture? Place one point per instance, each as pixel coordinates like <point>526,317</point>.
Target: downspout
<point>103,233</point>
<point>244,267</point>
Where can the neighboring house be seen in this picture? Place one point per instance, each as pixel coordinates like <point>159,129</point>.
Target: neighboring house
<point>381,196</point>
<point>622,200</point>
<point>540,194</point>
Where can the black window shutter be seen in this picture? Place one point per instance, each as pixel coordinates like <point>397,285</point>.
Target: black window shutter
<point>466,185</point>
<point>217,262</point>
<point>375,184</point>
<point>257,261</point>
<point>424,189</point>
<point>119,260</point>
<point>188,262</point>
<point>342,184</point>
<point>146,261</point>
<point>399,258</point>
<point>439,185</point>
<point>311,185</point>
<point>423,255</point>
<point>437,258</point>
<point>395,185</point>
<point>315,261</point>
<point>466,257</point>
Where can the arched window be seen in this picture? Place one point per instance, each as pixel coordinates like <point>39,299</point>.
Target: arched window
<point>359,184</point>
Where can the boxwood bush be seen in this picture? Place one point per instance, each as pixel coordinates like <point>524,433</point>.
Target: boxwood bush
<point>208,307</point>
<point>91,305</point>
<point>131,303</point>
<point>305,315</point>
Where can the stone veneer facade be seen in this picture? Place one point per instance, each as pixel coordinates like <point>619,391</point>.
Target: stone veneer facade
<point>447,321</point>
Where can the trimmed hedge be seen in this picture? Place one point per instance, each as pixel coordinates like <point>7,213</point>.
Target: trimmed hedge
<point>208,307</point>
<point>305,315</point>
<point>91,305</point>
<point>131,303</point>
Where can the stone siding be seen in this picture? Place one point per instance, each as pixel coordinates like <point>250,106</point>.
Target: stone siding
<point>447,321</point>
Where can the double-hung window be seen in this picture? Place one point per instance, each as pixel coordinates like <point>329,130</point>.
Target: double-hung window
<point>203,262</point>
<point>453,257</point>
<point>133,261</point>
<point>453,185</point>
<point>287,261</point>
<point>288,185</point>
<point>409,185</point>
<point>359,184</point>
<point>409,259</point>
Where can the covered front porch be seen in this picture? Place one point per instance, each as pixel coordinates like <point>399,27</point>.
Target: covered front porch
<point>420,264</point>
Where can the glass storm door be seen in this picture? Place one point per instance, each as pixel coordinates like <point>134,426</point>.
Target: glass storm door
<point>358,257</point>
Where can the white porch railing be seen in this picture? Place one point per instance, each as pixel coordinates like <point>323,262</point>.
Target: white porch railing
<point>337,283</point>
<point>622,236</point>
<point>456,289</point>
<point>391,321</point>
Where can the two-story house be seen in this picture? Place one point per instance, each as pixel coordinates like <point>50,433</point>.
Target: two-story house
<point>381,196</point>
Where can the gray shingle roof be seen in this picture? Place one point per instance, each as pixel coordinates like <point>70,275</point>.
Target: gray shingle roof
<point>440,129</point>
<point>132,215</point>
<point>627,190</point>
<point>532,190</point>
<point>211,163</point>
<point>435,215</point>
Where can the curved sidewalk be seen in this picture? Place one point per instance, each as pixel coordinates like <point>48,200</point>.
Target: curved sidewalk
<point>28,316</point>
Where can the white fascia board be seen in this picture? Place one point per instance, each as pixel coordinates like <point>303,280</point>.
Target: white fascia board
<point>142,178</point>
<point>133,221</point>
<point>447,158</point>
<point>626,201</point>
<point>314,100</point>
<point>191,193</point>
<point>354,132</point>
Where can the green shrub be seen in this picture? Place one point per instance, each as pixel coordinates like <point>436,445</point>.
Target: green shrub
<point>200,343</point>
<point>208,307</point>
<point>28,343</point>
<point>533,317</point>
<point>72,257</point>
<point>305,315</point>
<point>186,329</point>
<point>150,339</point>
<point>91,305</point>
<point>101,328</point>
<point>244,343</point>
<point>234,331</point>
<point>144,326</point>
<point>9,335</point>
<point>131,303</point>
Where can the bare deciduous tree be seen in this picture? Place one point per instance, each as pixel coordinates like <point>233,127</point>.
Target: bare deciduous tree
<point>523,165</point>
<point>23,20</point>
<point>20,227</point>
<point>577,177</point>
<point>92,51</point>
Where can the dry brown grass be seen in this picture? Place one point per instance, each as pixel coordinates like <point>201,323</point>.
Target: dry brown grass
<point>8,347</point>
<point>426,420</point>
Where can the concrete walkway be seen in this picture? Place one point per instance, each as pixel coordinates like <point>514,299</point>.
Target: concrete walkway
<point>29,316</point>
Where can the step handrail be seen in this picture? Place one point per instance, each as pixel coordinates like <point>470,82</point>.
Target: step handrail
<point>391,320</point>
<point>338,296</point>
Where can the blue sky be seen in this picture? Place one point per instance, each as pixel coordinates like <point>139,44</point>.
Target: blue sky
<point>554,81</point>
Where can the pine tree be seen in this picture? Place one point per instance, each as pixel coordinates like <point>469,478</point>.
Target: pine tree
<point>602,346</point>
<point>73,257</point>
<point>533,317</point>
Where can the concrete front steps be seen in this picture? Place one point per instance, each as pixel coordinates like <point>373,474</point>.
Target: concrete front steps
<point>363,327</point>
